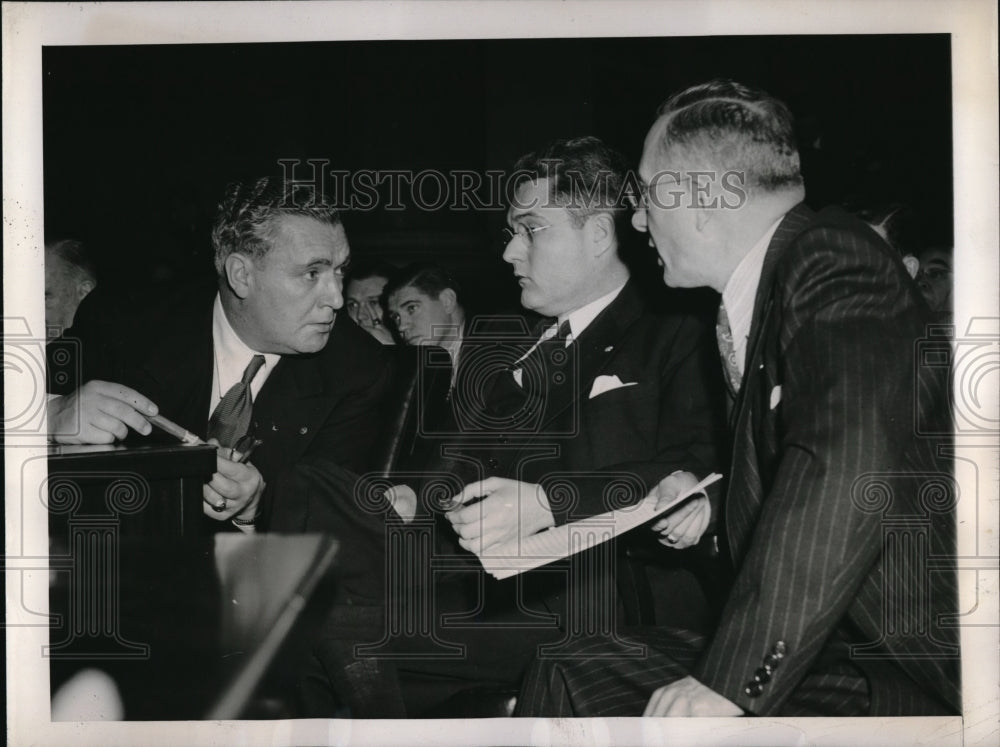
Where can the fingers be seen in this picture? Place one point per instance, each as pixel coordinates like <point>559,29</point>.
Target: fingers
<point>492,520</point>
<point>675,517</point>
<point>403,500</point>
<point>659,702</point>
<point>126,395</point>
<point>125,415</point>
<point>214,505</point>
<point>233,489</point>
<point>480,488</point>
<point>685,527</point>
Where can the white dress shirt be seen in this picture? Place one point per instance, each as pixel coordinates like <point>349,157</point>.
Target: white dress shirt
<point>232,356</point>
<point>579,320</point>
<point>741,290</point>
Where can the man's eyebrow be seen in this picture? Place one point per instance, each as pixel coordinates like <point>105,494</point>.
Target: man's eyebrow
<point>525,214</point>
<point>322,261</point>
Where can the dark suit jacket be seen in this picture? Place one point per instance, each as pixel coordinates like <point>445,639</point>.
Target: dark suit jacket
<point>829,482</point>
<point>323,405</point>
<point>600,452</point>
<point>590,454</point>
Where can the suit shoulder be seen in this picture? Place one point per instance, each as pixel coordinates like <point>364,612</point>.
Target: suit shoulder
<point>836,236</point>
<point>353,349</point>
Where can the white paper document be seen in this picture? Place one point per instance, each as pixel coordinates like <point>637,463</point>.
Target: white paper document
<point>523,554</point>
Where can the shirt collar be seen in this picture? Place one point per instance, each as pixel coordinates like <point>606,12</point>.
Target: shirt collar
<point>581,318</point>
<point>741,289</point>
<point>232,355</point>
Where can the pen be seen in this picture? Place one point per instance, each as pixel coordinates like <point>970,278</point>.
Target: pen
<point>174,430</point>
<point>245,456</point>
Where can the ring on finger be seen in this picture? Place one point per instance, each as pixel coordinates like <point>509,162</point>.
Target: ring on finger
<point>220,507</point>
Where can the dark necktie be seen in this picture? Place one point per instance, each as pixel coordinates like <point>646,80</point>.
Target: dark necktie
<point>514,401</point>
<point>231,419</point>
<point>727,350</point>
<point>545,355</point>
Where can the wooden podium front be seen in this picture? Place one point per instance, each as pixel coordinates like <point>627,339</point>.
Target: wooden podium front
<point>145,491</point>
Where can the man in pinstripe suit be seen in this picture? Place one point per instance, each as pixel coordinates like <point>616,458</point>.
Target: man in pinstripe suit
<point>842,584</point>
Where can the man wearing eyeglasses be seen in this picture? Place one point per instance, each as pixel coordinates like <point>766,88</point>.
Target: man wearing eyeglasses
<point>601,404</point>
<point>625,396</point>
<point>841,433</point>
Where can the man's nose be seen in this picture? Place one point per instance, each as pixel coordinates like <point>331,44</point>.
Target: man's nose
<point>333,294</point>
<point>514,250</point>
<point>639,219</point>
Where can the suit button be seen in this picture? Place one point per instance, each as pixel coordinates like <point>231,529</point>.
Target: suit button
<point>493,464</point>
<point>303,431</point>
<point>779,649</point>
<point>762,675</point>
<point>753,689</point>
<point>771,662</point>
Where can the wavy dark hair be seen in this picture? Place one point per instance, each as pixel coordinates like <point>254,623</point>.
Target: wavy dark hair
<point>246,220</point>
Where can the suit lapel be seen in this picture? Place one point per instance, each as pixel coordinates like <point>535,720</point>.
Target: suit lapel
<point>745,488</point>
<point>593,350</point>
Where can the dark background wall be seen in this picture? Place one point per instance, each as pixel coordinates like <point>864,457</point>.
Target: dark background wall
<point>140,140</point>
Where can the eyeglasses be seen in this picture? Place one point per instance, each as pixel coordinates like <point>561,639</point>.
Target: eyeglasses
<point>526,233</point>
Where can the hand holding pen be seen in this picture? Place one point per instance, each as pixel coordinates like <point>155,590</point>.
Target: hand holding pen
<point>236,485</point>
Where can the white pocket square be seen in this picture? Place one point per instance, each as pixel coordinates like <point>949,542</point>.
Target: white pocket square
<point>604,384</point>
<point>775,396</point>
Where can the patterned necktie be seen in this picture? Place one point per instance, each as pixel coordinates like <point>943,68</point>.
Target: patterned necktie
<point>727,350</point>
<point>231,419</point>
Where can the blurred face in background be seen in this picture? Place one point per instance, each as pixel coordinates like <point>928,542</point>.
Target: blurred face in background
<point>422,319</point>
<point>934,278</point>
<point>363,300</point>
<point>65,288</point>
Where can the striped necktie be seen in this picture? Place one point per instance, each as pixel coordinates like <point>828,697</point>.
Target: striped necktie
<point>231,419</point>
<point>727,350</point>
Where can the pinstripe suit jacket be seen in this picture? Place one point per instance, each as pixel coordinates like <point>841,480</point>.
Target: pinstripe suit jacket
<point>837,516</point>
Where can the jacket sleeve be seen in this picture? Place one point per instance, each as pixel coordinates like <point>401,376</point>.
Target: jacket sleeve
<point>685,433</point>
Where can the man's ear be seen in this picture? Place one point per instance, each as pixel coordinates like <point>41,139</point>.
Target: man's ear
<point>448,298</point>
<point>703,204</point>
<point>912,265</point>
<point>601,228</point>
<point>238,270</point>
<point>83,288</point>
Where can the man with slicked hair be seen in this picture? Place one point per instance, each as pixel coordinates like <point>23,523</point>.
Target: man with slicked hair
<point>265,355</point>
<point>603,403</point>
<point>833,612</point>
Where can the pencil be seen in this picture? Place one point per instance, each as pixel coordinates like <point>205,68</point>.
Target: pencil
<point>174,430</point>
